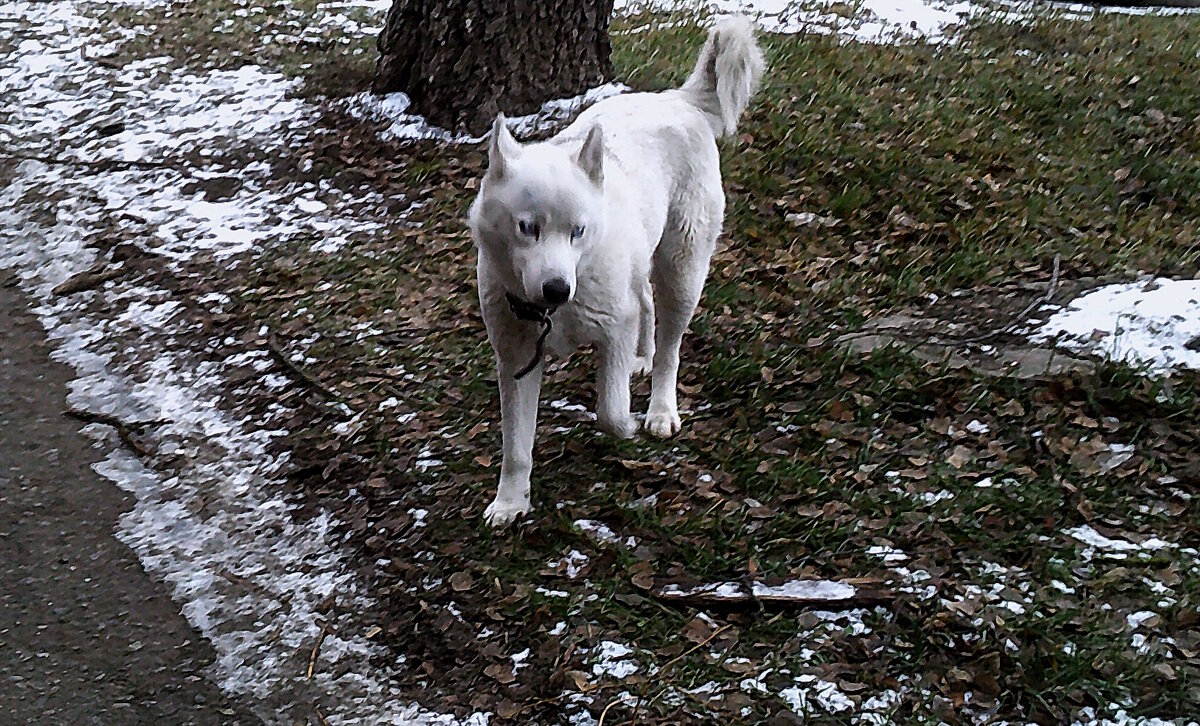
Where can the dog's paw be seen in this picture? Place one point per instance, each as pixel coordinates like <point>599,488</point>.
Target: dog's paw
<point>642,365</point>
<point>620,428</point>
<point>663,424</point>
<point>500,513</point>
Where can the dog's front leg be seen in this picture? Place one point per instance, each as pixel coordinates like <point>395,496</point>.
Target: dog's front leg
<point>518,413</point>
<point>612,388</point>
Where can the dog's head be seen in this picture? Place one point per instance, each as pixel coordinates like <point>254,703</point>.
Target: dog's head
<point>539,207</point>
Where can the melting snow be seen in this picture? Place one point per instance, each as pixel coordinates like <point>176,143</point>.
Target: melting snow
<point>824,694</point>
<point>1136,620</point>
<point>799,589</point>
<point>246,573</point>
<point>572,564</point>
<point>1155,323</point>
<point>602,533</point>
<point>1089,717</point>
<point>889,555</point>
<point>1089,536</point>
<point>613,659</point>
<point>872,21</point>
<point>814,589</point>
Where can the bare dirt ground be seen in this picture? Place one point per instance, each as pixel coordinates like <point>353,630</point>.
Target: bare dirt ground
<point>86,635</point>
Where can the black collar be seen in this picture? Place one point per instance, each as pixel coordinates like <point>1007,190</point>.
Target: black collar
<point>525,310</point>
<point>533,313</point>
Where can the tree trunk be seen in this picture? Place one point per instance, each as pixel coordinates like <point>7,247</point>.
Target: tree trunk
<point>463,61</point>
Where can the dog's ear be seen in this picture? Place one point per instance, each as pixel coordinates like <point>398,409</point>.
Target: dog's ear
<point>501,147</point>
<point>591,156</point>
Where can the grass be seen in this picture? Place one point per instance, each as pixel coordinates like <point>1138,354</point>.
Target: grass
<point>964,166</point>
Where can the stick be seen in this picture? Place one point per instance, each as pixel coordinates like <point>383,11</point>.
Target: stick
<point>1013,322</point>
<point>126,430</point>
<point>1010,326</point>
<point>615,701</point>
<point>88,280</point>
<point>103,165</point>
<point>304,376</point>
<point>661,671</point>
<point>312,657</point>
<point>693,649</point>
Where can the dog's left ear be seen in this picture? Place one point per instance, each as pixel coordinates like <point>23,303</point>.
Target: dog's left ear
<point>591,156</point>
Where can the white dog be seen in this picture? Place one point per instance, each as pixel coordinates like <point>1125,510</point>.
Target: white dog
<point>603,235</point>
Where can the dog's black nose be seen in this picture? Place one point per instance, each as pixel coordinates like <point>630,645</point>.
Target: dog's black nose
<point>556,291</point>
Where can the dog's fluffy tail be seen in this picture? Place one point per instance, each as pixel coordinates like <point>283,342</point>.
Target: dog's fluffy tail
<point>726,74</point>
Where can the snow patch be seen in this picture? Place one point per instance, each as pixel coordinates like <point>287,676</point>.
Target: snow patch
<point>815,691</point>
<point>614,660</point>
<point>1153,323</point>
<point>1095,541</point>
<point>251,577</point>
<point>393,109</point>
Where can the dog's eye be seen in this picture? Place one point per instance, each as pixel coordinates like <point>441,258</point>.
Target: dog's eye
<point>529,229</point>
<point>577,231</point>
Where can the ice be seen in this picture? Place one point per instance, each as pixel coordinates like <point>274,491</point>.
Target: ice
<point>799,589</point>
<point>812,589</point>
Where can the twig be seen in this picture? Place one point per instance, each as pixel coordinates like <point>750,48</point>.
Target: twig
<point>103,165</point>
<point>312,657</point>
<point>1015,321</point>
<point>693,649</point>
<point>126,430</point>
<point>1008,327</point>
<point>303,375</point>
<point>669,664</point>
<point>320,716</point>
<point>280,597</point>
<point>615,701</point>
<point>88,280</point>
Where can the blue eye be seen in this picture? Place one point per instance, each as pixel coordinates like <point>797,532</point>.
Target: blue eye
<point>577,231</point>
<point>529,229</point>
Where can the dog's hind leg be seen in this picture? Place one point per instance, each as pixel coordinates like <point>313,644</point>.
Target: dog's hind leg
<point>680,268</point>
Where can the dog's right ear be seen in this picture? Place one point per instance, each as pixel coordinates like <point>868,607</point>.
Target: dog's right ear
<point>501,147</point>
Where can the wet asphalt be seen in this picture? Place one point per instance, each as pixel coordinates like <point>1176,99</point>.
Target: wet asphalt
<point>86,636</point>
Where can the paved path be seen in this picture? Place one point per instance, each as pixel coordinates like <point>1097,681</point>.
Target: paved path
<point>86,637</point>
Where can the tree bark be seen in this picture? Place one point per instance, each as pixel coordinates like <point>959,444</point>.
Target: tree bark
<point>463,61</point>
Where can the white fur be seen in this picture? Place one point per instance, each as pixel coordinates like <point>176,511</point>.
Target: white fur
<point>640,174</point>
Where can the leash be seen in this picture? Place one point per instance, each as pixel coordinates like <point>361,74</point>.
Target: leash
<point>532,313</point>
